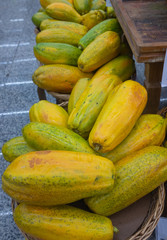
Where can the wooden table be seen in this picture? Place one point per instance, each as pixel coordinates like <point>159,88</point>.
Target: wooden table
<point>144,23</point>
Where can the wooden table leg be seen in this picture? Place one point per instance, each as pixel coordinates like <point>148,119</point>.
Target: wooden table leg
<point>41,94</point>
<point>153,74</point>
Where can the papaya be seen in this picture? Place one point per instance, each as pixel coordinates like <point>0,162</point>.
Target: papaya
<point>14,148</point>
<point>98,4</point>
<point>59,35</point>
<point>149,130</point>
<point>90,103</point>
<point>43,136</point>
<point>96,54</point>
<point>50,178</point>
<point>49,53</point>
<point>41,9</point>
<point>64,12</point>
<point>82,6</point>
<point>45,3</point>
<point>58,77</point>
<point>137,175</point>
<point>93,17</point>
<point>45,222</point>
<point>71,26</point>
<point>76,92</point>
<point>48,112</point>
<point>38,17</point>
<point>106,25</point>
<point>119,114</point>
<point>122,66</point>
<point>110,12</point>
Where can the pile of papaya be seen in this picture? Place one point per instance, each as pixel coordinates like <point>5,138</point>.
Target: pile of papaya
<point>102,149</point>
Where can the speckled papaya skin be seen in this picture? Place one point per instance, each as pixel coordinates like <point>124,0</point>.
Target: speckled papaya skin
<point>137,175</point>
<point>119,114</point>
<point>90,103</point>
<point>58,77</point>
<point>48,112</point>
<point>64,222</point>
<point>71,26</point>
<point>82,6</point>
<point>59,35</point>
<point>60,53</point>
<point>149,130</point>
<point>57,177</point>
<point>64,12</point>
<point>76,92</point>
<point>43,136</point>
<point>106,25</point>
<point>122,66</point>
<point>96,54</point>
<point>14,148</point>
<point>45,3</point>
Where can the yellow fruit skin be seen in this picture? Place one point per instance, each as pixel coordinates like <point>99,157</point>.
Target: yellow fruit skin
<point>45,3</point>
<point>90,103</point>
<point>14,148</point>
<point>48,112</point>
<point>137,175</point>
<point>82,6</point>
<point>64,12</point>
<point>71,26</point>
<point>96,54</point>
<point>149,130</point>
<point>58,77</point>
<point>93,17</point>
<point>76,92</point>
<point>48,178</point>
<point>66,222</point>
<point>122,66</point>
<point>59,35</point>
<point>118,116</point>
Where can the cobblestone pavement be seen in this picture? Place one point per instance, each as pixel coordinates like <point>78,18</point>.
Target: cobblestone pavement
<point>18,93</point>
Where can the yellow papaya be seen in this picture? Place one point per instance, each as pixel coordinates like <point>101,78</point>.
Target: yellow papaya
<point>45,3</point>
<point>76,92</point>
<point>46,222</point>
<point>14,148</point>
<point>90,103</point>
<point>119,114</point>
<point>59,35</point>
<point>96,54</point>
<point>50,178</point>
<point>71,26</point>
<point>58,77</point>
<point>137,175</point>
<point>60,53</point>
<point>93,17</point>
<point>149,130</point>
<point>122,66</point>
<point>48,112</point>
<point>64,12</point>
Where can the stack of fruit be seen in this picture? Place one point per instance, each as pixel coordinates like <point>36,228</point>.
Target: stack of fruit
<point>103,150</point>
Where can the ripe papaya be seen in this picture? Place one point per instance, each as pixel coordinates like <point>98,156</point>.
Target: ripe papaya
<point>64,12</point>
<point>48,112</point>
<point>96,54</point>
<point>149,130</point>
<point>82,6</point>
<point>93,17</point>
<point>58,77</point>
<point>50,178</point>
<point>45,222</point>
<point>119,114</point>
<point>137,175</point>
<point>45,3</point>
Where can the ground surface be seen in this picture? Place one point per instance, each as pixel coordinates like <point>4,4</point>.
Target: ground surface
<point>18,93</point>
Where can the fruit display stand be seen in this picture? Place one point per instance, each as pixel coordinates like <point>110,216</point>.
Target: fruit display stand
<point>145,28</point>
